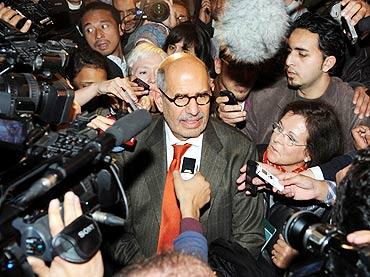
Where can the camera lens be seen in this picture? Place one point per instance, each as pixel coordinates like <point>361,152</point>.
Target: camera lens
<point>296,227</point>
<point>158,11</point>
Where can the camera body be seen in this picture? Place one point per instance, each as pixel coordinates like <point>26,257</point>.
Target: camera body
<point>34,100</point>
<point>305,232</point>
<point>34,93</point>
<point>24,228</point>
<point>44,14</point>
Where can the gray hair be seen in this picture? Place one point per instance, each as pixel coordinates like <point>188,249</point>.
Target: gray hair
<point>161,82</point>
<point>143,50</point>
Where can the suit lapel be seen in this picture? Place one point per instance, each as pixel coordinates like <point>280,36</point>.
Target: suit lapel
<point>212,165</point>
<point>155,178</point>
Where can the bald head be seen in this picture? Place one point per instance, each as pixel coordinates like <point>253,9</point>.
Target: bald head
<point>182,77</point>
<point>176,66</point>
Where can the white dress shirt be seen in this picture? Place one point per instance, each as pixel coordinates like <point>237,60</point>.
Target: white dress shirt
<point>194,151</point>
<point>121,63</point>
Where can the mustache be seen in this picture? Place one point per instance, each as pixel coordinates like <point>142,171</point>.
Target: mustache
<point>186,117</point>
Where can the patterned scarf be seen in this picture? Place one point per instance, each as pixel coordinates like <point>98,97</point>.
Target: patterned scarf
<point>297,170</point>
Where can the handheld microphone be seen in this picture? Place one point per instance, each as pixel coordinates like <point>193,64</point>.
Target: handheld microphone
<point>121,131</point>
<point>252,31</point>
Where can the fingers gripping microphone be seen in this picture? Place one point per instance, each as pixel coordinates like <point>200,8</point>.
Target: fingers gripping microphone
<point>121,131</point>
<point>252,30</point>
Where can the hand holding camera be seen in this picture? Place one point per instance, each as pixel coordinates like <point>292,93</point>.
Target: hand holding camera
<point>60,267</point>
<point>229,110</point>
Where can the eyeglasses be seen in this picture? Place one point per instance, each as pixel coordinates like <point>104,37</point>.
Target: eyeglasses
<point>129,14</point>
<point>288,140</point>
<point>182,100</point>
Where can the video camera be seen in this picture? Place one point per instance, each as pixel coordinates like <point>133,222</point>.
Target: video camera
<point>35,90</point>
<point>334,255</point>
<point>34,101</point>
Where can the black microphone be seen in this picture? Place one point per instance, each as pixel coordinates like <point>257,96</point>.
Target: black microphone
<point>122,130</point>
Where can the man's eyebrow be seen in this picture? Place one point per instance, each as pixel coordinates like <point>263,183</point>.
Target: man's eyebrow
<point>301,49</point>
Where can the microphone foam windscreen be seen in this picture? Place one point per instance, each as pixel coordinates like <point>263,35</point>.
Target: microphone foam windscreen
<point>252,30</point>
<point>129,126</point>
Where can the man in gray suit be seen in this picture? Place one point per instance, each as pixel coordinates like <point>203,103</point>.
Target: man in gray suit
<point>218,149</point>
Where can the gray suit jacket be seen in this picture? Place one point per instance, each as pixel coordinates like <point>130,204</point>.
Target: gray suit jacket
<point>230,214</point>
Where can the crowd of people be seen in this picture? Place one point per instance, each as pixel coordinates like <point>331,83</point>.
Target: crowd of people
<point>303,115</point>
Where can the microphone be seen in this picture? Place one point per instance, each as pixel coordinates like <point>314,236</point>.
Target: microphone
<point>108,219</point>
<point>121,131</point>
<point>252,31</point>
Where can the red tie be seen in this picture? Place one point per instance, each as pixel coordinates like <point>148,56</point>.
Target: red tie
<point>170,222</point>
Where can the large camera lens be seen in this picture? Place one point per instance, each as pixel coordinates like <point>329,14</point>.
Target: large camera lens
<point>296,226</point>
<point>157,11</point>
<point>21,94</point>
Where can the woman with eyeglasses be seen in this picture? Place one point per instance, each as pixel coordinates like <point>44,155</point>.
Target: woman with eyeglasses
<point>307,134</point>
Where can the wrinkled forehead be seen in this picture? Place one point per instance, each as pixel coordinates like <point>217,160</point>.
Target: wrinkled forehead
<point>187,79</point>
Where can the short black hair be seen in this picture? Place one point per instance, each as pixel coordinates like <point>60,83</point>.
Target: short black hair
<point>351,211</point>
<point>325,139</point>
<point>193,35</point>
<point>97,5</point>
<point>85,57</point>
<point>331,37</point>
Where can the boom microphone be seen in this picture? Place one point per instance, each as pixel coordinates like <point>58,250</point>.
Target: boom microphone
<point>252,31</point>
<point>123,130</point>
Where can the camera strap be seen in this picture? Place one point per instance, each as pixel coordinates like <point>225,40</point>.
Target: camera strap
<point>79,241</point>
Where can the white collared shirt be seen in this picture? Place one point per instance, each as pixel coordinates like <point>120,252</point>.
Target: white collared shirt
<point>194,151</point>
<point>121,63</point>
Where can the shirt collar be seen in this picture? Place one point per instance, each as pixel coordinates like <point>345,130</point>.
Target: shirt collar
<point>120,62</point>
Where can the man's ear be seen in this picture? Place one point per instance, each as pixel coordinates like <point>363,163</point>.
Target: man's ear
<point>157,96</point>
<point>217,62</point>
<point>328,63</point>
<point>121,28</point>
